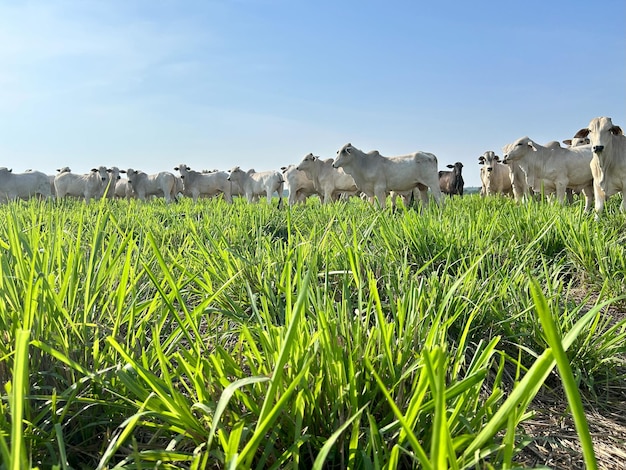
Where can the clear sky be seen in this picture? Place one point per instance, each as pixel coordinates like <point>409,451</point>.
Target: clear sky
<point>149,84</point>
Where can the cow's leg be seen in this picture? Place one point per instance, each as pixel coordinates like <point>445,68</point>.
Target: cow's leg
<point>328,195</point>
<point>560,192</point>
<point>381,196</point>
<point>599,197</point>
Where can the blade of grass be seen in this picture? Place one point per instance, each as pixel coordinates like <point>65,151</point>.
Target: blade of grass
<point>569,382</point>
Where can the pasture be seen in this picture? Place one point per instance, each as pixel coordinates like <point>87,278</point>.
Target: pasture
<point>209,335</point>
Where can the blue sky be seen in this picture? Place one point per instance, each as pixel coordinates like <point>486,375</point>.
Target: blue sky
<point>261,83</point>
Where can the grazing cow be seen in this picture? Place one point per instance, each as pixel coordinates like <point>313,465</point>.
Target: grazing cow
<point>608,164</point>
<point>159,184</point>
<point>88,186</point>
<point>377,175</point>
<point>451,182</point>
<point>196,184</point>
<point>23,185</point>
<point>550,170</point>
<point>328,181</point>
<point>299,184</point>
<point>495,176</point>
<point>259,183</point>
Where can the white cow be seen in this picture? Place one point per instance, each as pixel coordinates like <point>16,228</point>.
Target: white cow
<point>23,185</point>
<point>258,183</point>
<point>376,175</point>
<point>159,184</point>
<point>550,170</point>
<point>114,177</point>
<point>210,184</point>
<point>608,164</point>
<point>123,189</point>
<point>51,178</point>
<point>329,182</point>
<point>299,184</point>
<point>495,176</point>
<point>88,186</point>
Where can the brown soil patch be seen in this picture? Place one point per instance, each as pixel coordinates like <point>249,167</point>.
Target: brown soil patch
<point>555,443</point>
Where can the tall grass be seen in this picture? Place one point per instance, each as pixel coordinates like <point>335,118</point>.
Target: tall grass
<point>241,336</point>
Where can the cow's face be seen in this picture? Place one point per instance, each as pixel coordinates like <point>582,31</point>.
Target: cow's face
<point>456,168</point>
<point>518,149</point>
<point>130,173</point>
<point>600,132</point>
<point>344,156</point>
<point>306,162</point>
<point>489,159</point>
<point>235,174</point>
<point>102,173</point>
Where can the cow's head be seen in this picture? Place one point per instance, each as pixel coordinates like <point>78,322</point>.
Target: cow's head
<point>306,162</point>
<point>234,172</point>
<point>130,174</point>
<point>114,172</point>
<point>102,172</point>
<point>457,168</point>
<point>344,155</point>
<point>577,141</point>
<point>489,159</point>
<point>601,132</point>
<point>518,149</point>
<point>183,169</point>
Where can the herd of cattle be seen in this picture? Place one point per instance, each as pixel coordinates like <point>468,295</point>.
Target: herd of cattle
<point>594,163</point>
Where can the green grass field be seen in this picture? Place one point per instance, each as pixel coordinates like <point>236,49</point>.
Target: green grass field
<point>141,335</point>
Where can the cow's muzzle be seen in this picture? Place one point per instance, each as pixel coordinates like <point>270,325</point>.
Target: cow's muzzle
<point>598,148</point>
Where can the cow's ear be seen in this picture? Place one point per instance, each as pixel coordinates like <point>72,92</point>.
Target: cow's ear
<point>449,166</point>
<point>616,130</point>
<point>567,142</point>
<point>481,160</point>
<point>496,158</point>
<point>175,168</point>
<point>582,133</point>
<point>122,171</point>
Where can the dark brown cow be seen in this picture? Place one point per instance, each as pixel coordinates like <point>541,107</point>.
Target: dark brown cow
<point>451,182</point>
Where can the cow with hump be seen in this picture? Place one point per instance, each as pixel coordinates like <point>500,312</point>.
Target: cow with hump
<point>196,184</point>
<point>298,183</point>
<point>258,183</point>
<point>162,184</point>
<point>328,181</point>
<point>23,185</point>
<point>608,164</point>
<point>553,169</point>
<point>376,175</point>
<point>88,186</point>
